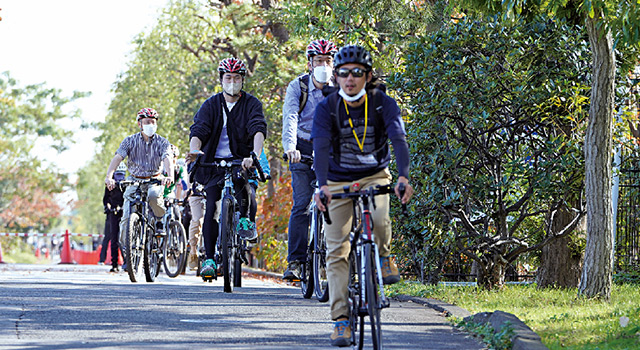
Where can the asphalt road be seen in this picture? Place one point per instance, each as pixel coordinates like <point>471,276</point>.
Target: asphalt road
<point>86,307</point>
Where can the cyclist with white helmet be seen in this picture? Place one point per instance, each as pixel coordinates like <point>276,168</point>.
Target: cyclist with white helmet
<point>229,125</point>
<point>303,95</point>
<point>146,153</point>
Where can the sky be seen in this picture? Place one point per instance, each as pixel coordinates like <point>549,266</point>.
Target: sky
<point>73,45</point>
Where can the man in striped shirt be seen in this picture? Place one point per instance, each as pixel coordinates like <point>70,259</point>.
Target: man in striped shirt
<point>146,152</point>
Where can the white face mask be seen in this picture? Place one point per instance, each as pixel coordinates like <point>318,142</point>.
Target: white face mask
<point>354,98</point>
<point>232,89</point>
<point>149,129</point>
<point>322,74</point>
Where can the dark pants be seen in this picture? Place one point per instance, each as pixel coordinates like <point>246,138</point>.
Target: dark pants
<point>301,179</point>
<point>113,224</point>
<point>210,228</point>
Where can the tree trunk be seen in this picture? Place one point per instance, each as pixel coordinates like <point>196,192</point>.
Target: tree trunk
<point>561,262</point>
<point>491,276</point>
<point>598,262</point>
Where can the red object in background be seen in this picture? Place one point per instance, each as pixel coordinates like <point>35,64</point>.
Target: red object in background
<point>65,254</point>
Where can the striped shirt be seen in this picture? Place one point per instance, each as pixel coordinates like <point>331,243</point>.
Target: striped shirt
<point>144,158</point>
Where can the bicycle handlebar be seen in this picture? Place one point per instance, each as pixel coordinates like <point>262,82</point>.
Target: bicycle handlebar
<point>140,182</point>
<point>303,159</point>
<point>369,192</point>
<point>226,164</point>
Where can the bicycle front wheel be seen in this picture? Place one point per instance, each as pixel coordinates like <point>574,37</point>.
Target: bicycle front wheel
<point>227,232</point>
<point>356,317</point>
<point>134,247</point>
<point>321,284</point>
<point>372,292</point>
<point>175,249</point>
<point>151,256</point>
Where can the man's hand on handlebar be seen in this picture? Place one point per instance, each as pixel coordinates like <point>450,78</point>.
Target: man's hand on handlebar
<point>327,195</point>
<point>110,183</point>
<point>293,156</point>
<point>408,190</point>
<point>192,156</point>
<point>247,163</point>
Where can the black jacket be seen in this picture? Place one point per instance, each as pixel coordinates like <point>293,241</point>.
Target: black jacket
<point>113,197</point>
<point>243,122</point>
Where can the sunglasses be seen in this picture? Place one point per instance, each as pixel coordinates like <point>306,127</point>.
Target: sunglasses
<point>356,72</point>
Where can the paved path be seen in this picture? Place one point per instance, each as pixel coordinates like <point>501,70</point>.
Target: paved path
<point>85,307</point>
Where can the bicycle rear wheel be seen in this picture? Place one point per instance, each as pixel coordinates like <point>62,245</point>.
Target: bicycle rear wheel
<point>175,250</point>
<point>321,283</point>
<point>134,247</point>
<point>373,295</point>
<point>306,280</point>
<point>227,232</point>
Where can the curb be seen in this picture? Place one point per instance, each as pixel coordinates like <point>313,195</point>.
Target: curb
<point>263,273</point>
<point>524,338</point>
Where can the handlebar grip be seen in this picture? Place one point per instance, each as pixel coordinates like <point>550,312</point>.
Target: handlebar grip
<point>402,189</point>
<point>323,199</point>
<point>256,162</point>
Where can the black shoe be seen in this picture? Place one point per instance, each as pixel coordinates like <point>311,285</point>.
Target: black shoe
<point>293,272</point>
<point>114,269</point>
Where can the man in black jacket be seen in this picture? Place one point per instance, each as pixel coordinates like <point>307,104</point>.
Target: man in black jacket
<point>113,201</point>
<point>229,125</point>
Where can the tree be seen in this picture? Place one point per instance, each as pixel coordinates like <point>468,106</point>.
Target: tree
<point>28,186</point>
<point>604,20</point>
<point>495,108</point>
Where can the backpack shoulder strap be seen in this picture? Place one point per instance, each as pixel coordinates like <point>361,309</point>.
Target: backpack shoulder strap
<point>304,91</point>
<point>376,109</point>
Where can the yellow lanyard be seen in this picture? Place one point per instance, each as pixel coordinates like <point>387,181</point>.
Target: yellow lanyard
<point>366,109</point>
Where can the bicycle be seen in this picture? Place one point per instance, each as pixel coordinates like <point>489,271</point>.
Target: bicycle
<point>174,247</point>
<point>314,270</point>
<point>138,244</point>
<point>230,248</point>
<point>366,291</point>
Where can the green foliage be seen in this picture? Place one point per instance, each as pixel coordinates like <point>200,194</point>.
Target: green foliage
<point>174,70</point>
<point>565,321</point>
<point>494,133</point>
<point>498,341</point>
<point>28,185</point>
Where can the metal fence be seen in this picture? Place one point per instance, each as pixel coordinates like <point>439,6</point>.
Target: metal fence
<point>627,245</point>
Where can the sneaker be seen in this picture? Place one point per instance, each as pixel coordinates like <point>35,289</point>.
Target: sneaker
<point>208,269</point>
<point>341,333</point>
<point>100,262</point>
<point>114,269</point>
<point>247,229</point>
<point>390,273</point>
<point>159,228</point>
<point>293,272</point>
<point>193,261</point>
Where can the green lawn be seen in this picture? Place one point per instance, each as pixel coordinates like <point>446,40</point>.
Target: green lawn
<point>563,320</point>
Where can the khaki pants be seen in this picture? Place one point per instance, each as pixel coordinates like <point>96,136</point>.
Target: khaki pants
<point>337,235</point>
<point>197,204</point>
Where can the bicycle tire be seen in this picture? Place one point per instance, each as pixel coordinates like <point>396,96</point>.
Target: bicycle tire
<point>175,250</point>
<point>134,247</point>
<point>226,233</point>
<point>237,272</point>
<point>372,295</point>
<point>151,256</point>
<point>321,283</point>
<point>306,282</point>
<point>356,320</point>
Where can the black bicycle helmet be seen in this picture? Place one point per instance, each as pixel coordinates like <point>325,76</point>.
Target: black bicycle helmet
<point>353,54</point>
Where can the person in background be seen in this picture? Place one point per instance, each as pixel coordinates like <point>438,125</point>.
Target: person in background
<point>113,201</point>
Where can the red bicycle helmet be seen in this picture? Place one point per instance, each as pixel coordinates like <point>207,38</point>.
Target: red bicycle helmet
<point>321,47</point>
<point>147,113</point>
<point>232,65</point>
